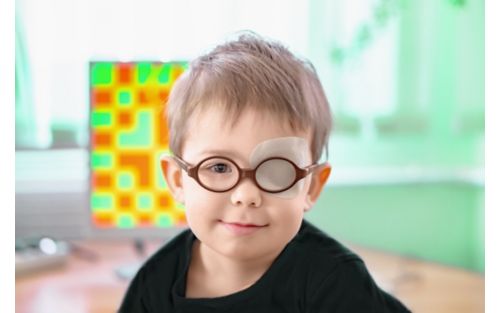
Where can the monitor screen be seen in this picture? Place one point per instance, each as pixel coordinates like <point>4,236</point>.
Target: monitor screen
<point>128,135</point>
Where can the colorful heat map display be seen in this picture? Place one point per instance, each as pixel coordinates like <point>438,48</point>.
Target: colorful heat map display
<point>128,134</point>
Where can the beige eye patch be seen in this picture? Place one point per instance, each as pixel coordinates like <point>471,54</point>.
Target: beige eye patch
<point>294,149</point>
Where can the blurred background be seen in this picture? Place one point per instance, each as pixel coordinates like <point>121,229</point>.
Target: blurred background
<point>405,80</point>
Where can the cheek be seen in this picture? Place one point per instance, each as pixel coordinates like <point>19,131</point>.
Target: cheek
<point>193,192</point>
<point>286,216</point>
<point>286,212</point>
<point>201,205</point>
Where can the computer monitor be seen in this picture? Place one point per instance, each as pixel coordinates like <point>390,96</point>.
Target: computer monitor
<point>128,196</point>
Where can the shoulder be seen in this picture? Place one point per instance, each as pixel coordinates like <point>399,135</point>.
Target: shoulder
<point>351,288</point>
<point>170,255</point>
<point>337,278</point>
<point>319,247</point>
<point>312,255</point>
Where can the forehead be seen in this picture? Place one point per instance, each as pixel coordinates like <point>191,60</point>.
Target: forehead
<point>211,131</point>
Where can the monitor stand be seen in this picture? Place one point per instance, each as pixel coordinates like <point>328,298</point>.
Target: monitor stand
<point>128,271</point>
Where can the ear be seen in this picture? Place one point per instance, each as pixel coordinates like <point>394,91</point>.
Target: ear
<point>173,176</point>
<point>318,181</point>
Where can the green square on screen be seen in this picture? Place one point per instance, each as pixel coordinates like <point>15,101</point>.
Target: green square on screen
<point>125,221</point>
<point>102,73</point>
<point>145,201</point>
<point>101,119</point>
<point>125,180</point>
<point>124,97</point>
<point>164,75</point>
<point>102,160</point>
<point>164,220</point>
<point>143,72</point>
<point>101,202</point>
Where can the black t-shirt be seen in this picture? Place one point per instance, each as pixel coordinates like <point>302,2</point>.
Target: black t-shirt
<point>314,273</point>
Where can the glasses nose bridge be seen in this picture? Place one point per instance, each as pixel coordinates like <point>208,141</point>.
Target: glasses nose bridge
<point>247,173</point>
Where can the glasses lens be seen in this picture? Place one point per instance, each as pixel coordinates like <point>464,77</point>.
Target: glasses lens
<point>218,174</point>
<point>275,174</point>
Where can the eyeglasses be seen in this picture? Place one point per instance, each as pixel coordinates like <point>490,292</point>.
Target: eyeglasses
<point>221,174</point>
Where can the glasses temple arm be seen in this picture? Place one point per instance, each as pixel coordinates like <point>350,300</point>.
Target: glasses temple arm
<point>182,163</point>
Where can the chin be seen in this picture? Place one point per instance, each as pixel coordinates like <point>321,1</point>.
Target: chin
<point>251,251</point>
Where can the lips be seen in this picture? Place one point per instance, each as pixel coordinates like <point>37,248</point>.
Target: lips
<point>240,229</point>
<point>244,225</point>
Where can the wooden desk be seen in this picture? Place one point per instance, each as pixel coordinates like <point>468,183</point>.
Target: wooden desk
<point>83,286</point>
<point>426,286</point>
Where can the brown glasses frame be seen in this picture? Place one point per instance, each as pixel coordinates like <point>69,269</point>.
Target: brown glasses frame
<point>192,171</point>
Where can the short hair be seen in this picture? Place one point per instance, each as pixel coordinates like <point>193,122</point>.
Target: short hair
<point>251,72</point>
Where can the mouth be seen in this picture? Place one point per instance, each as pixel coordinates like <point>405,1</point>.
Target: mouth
<point>239,229</point>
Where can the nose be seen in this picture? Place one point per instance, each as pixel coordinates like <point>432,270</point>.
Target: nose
<point>246,194</point>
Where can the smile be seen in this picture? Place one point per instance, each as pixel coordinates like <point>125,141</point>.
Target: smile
<point>241,229</point>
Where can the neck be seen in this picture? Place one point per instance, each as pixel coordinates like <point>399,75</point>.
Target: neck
<point>242,272</point>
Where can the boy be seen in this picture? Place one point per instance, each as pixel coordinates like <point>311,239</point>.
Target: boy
<point>248,123</point>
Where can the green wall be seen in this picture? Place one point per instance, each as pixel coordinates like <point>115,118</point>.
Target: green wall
<point>441,222</point>
<point>437,124</point>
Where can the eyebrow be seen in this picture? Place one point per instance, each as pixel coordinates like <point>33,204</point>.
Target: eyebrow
<point>221,152</point>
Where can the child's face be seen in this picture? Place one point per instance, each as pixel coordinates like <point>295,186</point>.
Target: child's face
<point>217,218</point>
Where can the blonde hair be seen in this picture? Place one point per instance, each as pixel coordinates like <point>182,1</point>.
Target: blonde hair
<point>251,72</point>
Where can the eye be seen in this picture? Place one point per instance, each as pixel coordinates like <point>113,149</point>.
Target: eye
<point>220,168</point>
<point>217,167</point>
